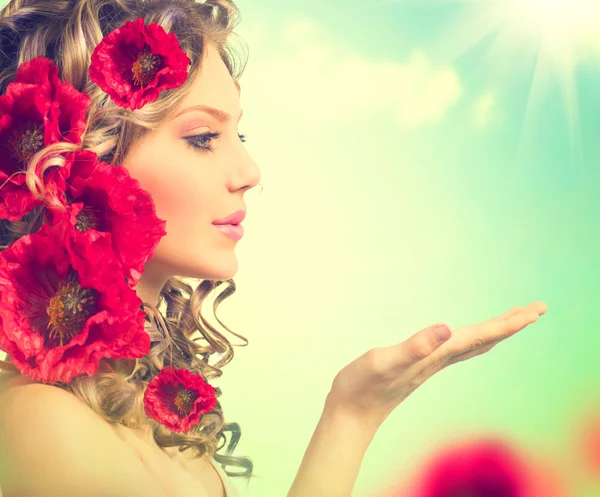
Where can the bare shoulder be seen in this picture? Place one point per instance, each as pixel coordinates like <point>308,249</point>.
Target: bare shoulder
<point>27,406</point>
<point>52,444</point>
<point>17,389</point>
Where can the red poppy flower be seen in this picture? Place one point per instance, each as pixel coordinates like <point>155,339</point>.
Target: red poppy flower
<point>480,469</point>
<point>59,315</point>
<point>177,399</point>
<point>135,62</point>
<point>36,111</point>
<point>106,199</point>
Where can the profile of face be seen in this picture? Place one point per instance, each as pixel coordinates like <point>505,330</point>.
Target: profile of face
<point>195,180</point>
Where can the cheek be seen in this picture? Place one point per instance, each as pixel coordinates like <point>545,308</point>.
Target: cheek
<point>183,199</point>
<point>183,188</point>
<point>171,174</point>
<point>185,204</point>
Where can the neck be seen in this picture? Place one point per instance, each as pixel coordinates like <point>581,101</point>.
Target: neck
<point>151,283</point>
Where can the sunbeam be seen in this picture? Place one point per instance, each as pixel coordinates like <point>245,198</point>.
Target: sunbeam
<point>556,36</point>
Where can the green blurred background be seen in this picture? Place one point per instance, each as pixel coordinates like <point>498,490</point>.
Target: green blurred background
<point>421,161</point>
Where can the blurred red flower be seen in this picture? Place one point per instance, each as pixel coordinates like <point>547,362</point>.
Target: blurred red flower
<point>484,468</point>
<point>590,443</point>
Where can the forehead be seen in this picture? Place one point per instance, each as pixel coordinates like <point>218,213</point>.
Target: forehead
<point>213,84</point>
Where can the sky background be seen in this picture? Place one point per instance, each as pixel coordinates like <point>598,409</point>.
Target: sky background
<point>421,162</point>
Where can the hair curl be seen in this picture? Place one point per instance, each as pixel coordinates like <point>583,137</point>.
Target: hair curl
<point>67,31</point>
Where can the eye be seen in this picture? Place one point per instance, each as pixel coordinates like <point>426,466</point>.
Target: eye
<point>202,141</point>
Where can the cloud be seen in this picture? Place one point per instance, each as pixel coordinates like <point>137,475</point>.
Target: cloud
<point>299,30</point>
<point>322,82</point>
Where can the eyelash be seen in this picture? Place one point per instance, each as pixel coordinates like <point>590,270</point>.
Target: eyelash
<point>198,141</point>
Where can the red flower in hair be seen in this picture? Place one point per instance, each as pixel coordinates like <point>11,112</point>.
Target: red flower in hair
<point>36,111</point>
<point>135,62</point>
<point>59,315</point>
<point>106,199</point>
<point>177,399</point>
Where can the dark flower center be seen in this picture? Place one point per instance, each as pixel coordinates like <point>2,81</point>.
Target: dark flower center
<point>145,68</point>
<point>464,493</point>
<point>25,141</point>
<point>69,309</point>
<point>86,219</point>
<point>184,401</point>
<point>492,489</point>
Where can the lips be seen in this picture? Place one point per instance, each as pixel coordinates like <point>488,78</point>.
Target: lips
<point>234,231</point>
<point>235,218</point>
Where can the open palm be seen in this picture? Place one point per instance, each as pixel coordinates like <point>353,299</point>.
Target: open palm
<point>374,384</point>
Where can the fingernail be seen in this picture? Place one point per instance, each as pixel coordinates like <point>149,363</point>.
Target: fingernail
<point>442,332</point>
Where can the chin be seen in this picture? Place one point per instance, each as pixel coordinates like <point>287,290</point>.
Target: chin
<point>219,270</point>
<point>202,264</point>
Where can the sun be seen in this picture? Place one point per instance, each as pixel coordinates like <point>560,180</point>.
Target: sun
<point>552,9</point>
<point>556,36</point>
<point>570,24</point>
<point>563,34</point>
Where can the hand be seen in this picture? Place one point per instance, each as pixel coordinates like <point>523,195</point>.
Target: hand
<point>373,385</point>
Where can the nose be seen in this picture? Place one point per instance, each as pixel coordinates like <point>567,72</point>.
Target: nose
<point>247,173</point>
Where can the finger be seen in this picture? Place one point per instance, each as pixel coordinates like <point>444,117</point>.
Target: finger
<point>507,324</point>
<point>477,335</point>
<point>538,307</point>
<point>419,346</point>
<point>472,353</point>
<point>510,312</point>
<point>503,316</point>
<point>519,320</point>
<point>514,322</point>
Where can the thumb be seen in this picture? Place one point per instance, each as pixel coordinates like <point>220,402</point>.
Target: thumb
<point>423,343</point>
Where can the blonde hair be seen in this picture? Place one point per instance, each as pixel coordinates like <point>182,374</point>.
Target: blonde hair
<point>67,31</point>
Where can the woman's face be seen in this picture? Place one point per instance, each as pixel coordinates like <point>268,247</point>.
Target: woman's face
<point>193,186</point>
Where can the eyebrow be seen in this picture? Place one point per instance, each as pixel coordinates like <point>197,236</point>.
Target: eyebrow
<point>219,114</point>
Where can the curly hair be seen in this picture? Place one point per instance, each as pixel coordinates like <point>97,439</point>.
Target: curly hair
<point>67,31</point>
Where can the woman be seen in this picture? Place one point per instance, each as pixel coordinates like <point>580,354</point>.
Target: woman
<point>129,176</point>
